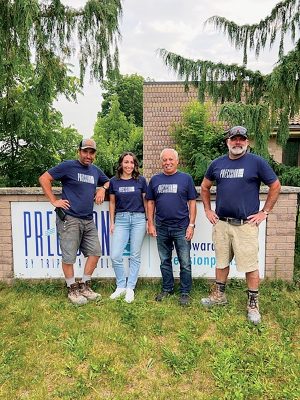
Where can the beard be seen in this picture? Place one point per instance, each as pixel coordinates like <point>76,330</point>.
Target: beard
<point>238,150</point>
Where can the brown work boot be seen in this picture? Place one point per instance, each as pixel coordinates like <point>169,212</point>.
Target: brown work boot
<point>216,298</point>
<point>253,309</point>
<point>75,296</point>
<point>86,291</point>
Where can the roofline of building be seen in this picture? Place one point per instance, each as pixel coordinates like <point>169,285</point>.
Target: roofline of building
<point>165,82</point>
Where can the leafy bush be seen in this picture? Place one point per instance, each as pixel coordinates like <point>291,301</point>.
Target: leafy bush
<point>198,141</point>
<point>288,176</point>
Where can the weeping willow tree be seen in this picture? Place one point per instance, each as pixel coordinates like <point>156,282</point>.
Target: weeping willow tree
<point>261,101</point>
<point>36,40</point>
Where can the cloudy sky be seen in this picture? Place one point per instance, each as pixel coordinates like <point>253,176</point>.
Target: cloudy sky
<point>178,26</point>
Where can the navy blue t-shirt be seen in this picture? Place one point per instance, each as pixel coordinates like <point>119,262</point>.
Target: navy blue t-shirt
<point>238,183</point>
<point>128,194</point>
<point>171,194</point>
<point>79,183</point>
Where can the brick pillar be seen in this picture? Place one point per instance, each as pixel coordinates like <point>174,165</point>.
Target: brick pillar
<point>6,251</point>
<point>280,238</point>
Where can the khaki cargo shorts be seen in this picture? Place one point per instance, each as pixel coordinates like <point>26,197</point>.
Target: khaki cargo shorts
<point>240,242</point>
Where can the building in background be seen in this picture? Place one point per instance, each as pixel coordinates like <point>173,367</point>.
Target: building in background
<point>163,105</point>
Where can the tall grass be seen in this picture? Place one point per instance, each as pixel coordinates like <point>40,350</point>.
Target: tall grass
<point>50,349</point>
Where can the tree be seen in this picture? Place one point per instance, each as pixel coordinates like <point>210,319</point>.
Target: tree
<point>197,140</point>
<point>114,134</point>
<point>52,145</point>
<point>35,40</point>
<point>129,89</point>
<point>277,94</point>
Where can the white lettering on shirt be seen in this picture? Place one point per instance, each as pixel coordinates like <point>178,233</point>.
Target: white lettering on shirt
<point>126,189</point>
<point>86,178</point>
<point>232,173</point>
<point>167,188</point>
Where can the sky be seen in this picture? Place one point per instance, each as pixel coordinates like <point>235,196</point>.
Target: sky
<point>177,26</point>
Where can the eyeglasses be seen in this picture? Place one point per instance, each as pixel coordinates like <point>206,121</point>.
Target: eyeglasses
<point>237,130</point>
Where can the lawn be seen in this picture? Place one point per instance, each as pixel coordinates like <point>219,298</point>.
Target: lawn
<point>51,349</point>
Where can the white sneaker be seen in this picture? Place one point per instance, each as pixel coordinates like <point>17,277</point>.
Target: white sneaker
<point>129,295</point>
<point>117,293</point>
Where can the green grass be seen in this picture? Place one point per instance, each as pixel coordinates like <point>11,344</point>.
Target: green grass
<point>50,349</point>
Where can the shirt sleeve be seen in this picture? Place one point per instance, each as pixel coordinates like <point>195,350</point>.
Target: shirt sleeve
<point>111,189</point>
<point>192,192</point>
<point>150,195</point>
<point>102,178</point>
<point>267,175</point>
<point>144,185</point>
<point>210,172</point>
<point>59,171</point>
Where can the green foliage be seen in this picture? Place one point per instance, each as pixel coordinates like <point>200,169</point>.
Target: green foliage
<point>288,176</point>
<point>197,140</point>
<point>45,145</point>
<point>254,117</point>
<point>114,134</point>
<point>35,40</point>
<point>283,20</point>
<point>129,90</point>
<point>277,91</point>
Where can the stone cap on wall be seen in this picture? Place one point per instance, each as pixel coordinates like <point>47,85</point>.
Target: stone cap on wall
<point>57,190</point>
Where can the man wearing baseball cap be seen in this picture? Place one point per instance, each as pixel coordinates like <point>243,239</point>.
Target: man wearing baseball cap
<point>238,176</point>
<point>74,215</point>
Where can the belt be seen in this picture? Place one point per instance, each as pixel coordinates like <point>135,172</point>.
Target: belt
<point>234,221</point>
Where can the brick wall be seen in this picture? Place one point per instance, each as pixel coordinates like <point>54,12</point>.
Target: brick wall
<point>163,105</point>
<point>280,240</point>
<point>6,255</point>
<point>280,231</point>
<point>8,195</point>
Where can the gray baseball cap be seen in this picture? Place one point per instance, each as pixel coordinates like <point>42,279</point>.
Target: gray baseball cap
<point>87,144</point>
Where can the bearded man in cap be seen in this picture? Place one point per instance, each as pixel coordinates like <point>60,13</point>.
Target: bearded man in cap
<point>74,215</point>
<point>238,176</point>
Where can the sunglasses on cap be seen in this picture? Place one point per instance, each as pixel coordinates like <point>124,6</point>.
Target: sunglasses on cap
<point>237,131</point>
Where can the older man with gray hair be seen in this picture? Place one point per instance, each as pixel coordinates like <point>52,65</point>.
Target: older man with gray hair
<point>172,197</point>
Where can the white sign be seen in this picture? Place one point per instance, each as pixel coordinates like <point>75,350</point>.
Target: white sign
<point>37,254</point>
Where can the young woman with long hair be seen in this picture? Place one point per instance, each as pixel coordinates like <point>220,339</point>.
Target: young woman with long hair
<point>128,222</point>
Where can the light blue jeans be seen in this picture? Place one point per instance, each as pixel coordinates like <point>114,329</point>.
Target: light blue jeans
<point>129,227</point>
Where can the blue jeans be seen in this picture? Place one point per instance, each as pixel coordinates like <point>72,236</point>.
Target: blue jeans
<point>167,238</point>
<point>129,226</point>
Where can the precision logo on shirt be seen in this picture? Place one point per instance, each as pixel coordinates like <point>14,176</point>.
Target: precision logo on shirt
<point>232,173</point>
<point>86,178</point>
<point>167,188</point>
<point>126,189</point>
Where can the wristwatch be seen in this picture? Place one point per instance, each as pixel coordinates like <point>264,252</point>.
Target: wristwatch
<point>192,225</point>
<point>105,188</point>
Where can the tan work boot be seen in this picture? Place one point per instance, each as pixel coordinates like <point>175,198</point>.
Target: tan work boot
<point>86,291</point>
<point>75,296</point>
<point>216,298</point>
<point>253,310</point>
